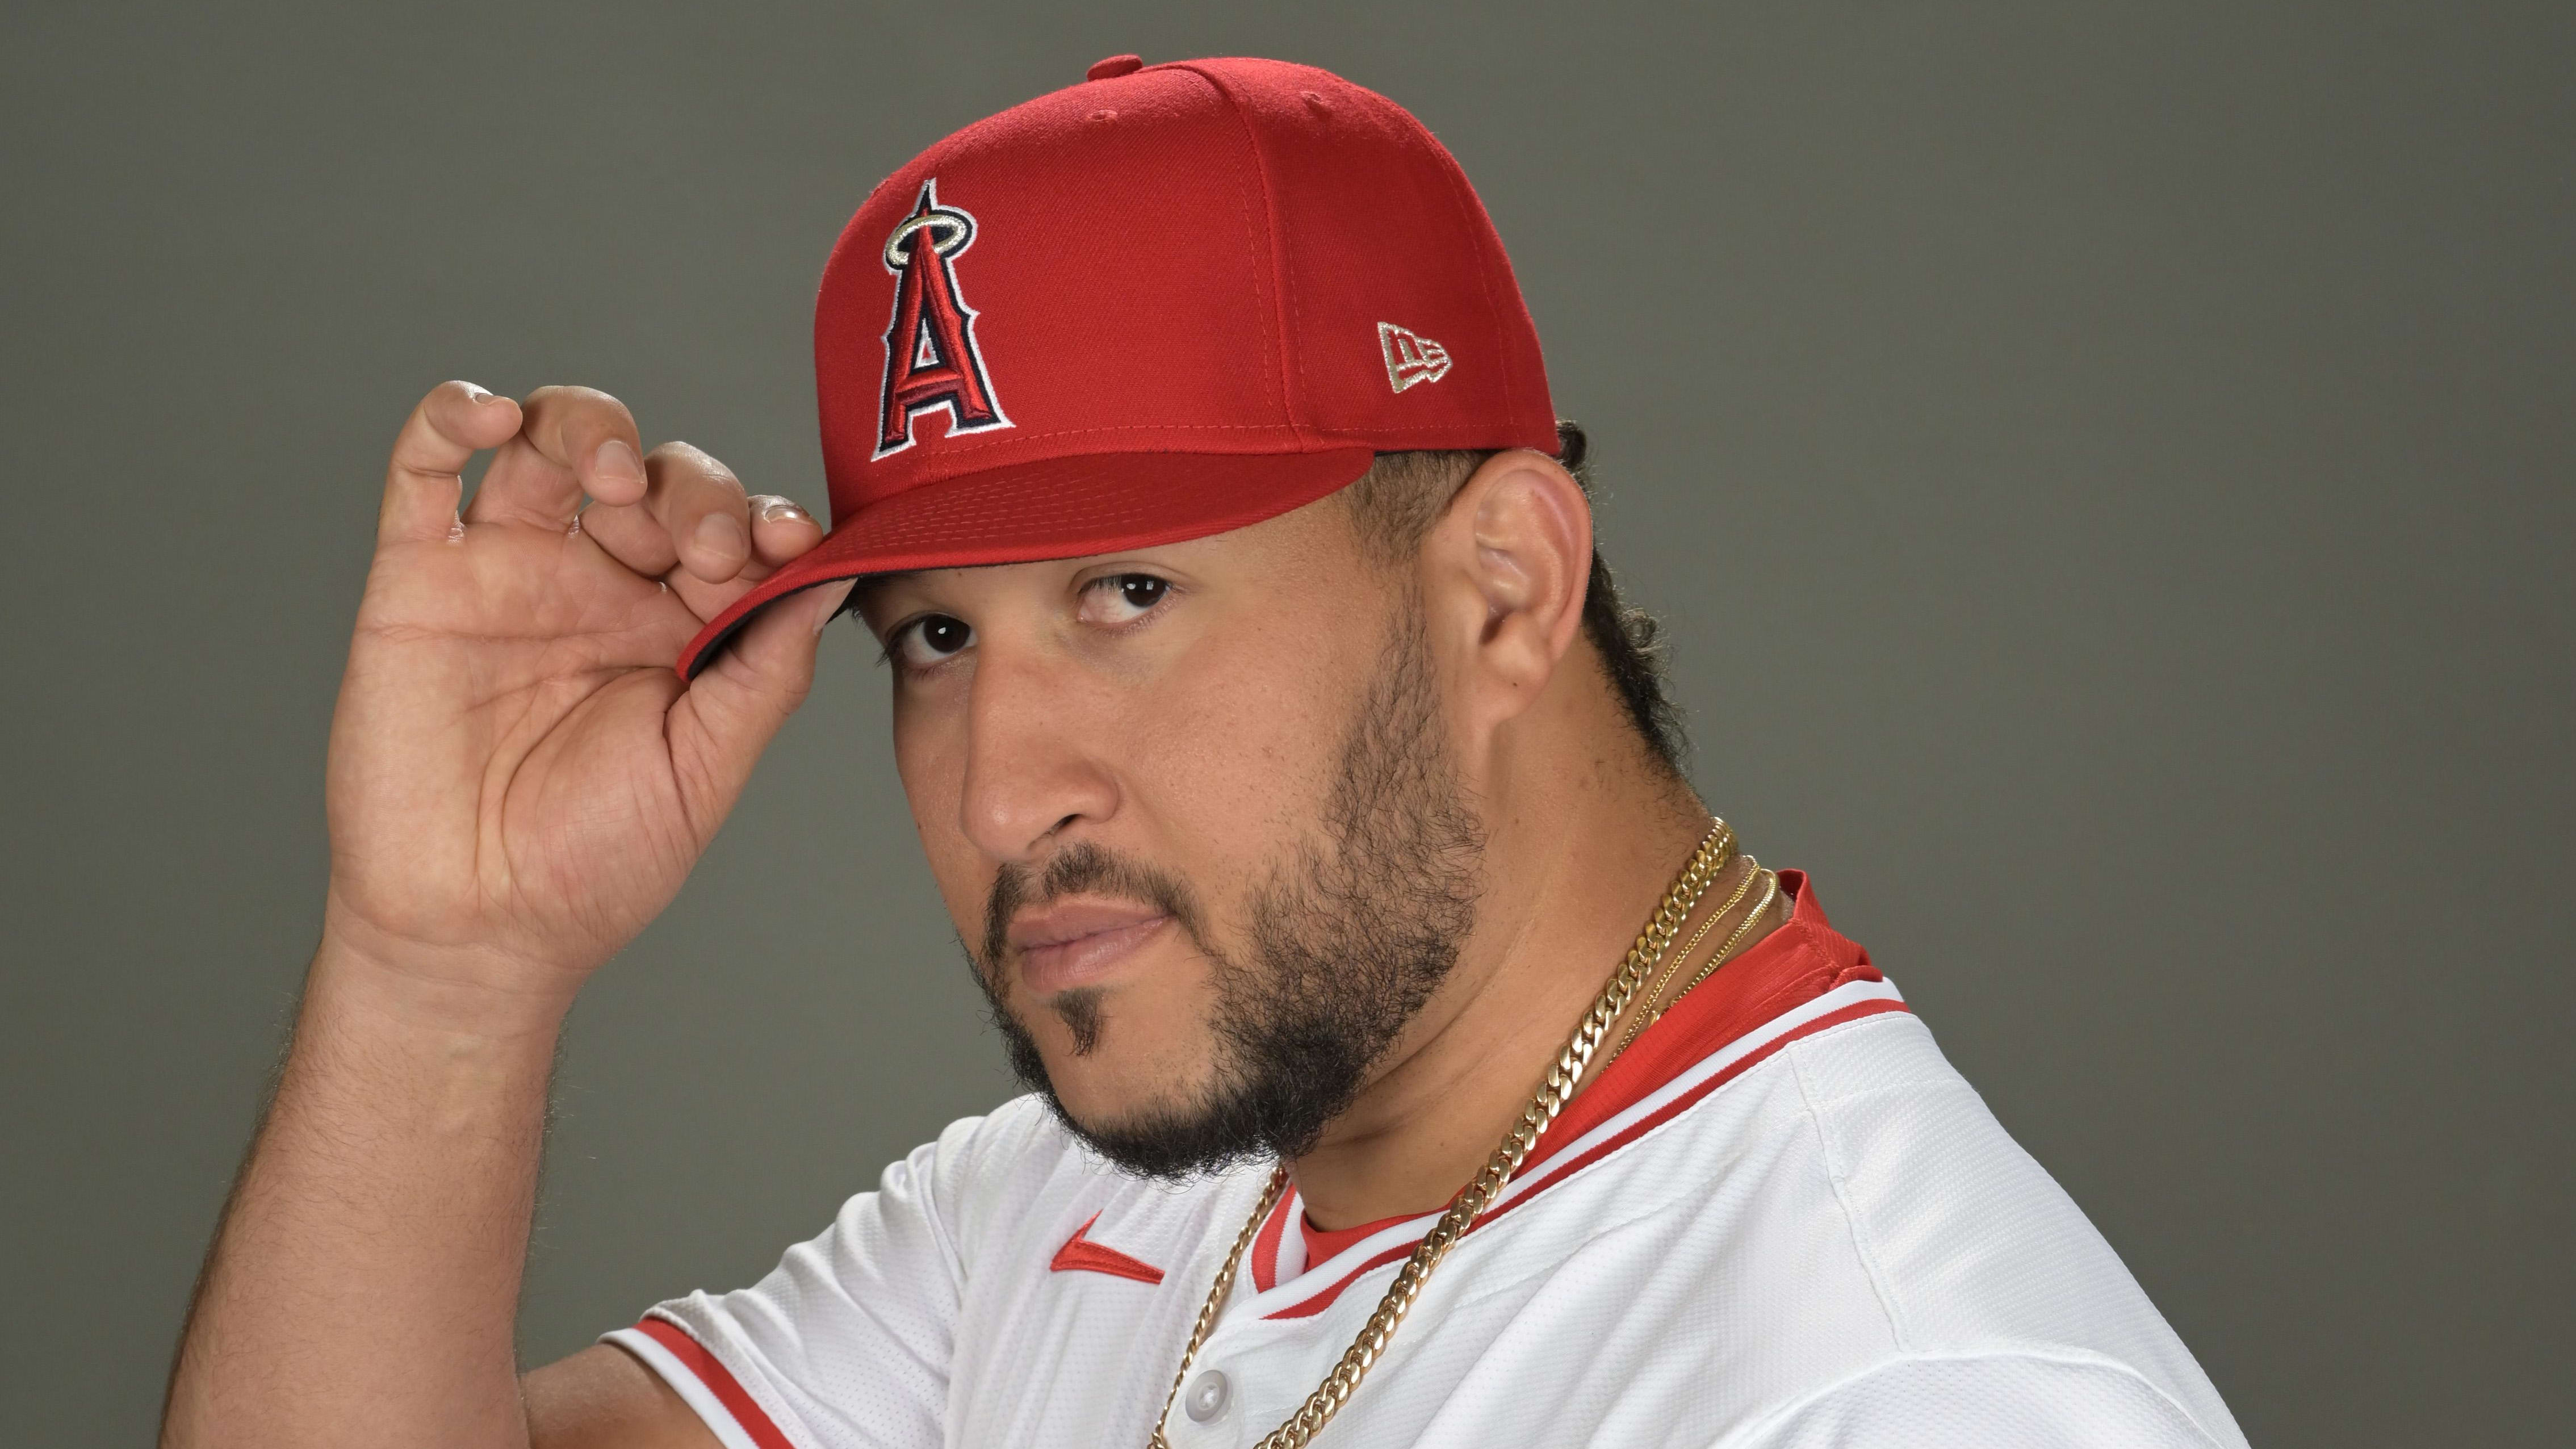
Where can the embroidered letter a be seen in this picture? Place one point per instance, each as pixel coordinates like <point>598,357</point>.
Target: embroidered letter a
<point>931,358</point>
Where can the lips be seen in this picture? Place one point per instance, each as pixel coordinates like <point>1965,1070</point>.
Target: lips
<point>1079,942</point>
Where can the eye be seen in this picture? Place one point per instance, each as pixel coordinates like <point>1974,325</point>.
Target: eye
<point>928,641</point>
<point>1122,598</point>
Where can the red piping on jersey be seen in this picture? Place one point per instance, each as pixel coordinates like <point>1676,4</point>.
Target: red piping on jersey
<point>719,1381</point>
<point>1321,1245</point>
<point>1081,1255</point>
<point>1265,1247</point>
<point>1802,960</point>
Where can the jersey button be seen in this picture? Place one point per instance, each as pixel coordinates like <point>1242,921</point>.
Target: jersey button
<point>1114,67</point>
<point>1206,1398</point>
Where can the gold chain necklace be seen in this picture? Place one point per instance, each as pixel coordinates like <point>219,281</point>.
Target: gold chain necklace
<point>1715,850</point>
<point>1654,1006</point>
<point>1735,938</point>
<point>1647,1005</point>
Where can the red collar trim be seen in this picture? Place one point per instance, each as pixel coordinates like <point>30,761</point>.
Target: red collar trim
<point>1800,962</point>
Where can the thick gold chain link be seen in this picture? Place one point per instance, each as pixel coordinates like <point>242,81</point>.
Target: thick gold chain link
<point>1716,850</point>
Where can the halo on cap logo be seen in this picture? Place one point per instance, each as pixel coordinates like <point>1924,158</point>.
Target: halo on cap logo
<point>932,361</point>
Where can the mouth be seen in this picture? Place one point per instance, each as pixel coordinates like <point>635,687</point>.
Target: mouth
<point>1077,942</point>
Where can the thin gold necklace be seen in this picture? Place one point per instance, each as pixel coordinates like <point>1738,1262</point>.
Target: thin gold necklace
<point>1714,851</point>
<point>1726,953</point>
<point>1647,1009</point>
<point>1652,1009</point>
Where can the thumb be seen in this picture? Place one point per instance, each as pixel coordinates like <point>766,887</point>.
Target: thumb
<point>734,707</point>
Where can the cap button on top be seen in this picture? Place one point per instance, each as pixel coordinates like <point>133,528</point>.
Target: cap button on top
<point>1114,67</point>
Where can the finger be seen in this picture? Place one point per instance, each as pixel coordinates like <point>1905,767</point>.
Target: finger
<point>454,422</point>
<point>575,440</point>
<point>736,704</point>
<point>700,504</point>
<point>774,653</point>
<point>631,535</point>
<point>781,529</point>
<point>694,513</point>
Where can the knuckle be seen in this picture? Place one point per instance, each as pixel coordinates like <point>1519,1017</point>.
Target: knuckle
<point>700,467</point>
<point>581,406</point>
<point>602,402</point>
<point>445,401</point>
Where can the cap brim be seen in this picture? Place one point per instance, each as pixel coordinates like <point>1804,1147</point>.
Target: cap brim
<point>1053,508</point>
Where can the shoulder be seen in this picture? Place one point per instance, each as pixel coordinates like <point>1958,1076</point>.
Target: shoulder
<point>2001,1399</point>
<point>1007,1189</point>
<point>1989,1274</point>
<point>1966,1237</point>
<point>1017,1138</point>
<point>1000,1163</point>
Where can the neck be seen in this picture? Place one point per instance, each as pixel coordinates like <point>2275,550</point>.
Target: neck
<point>1576,861</point>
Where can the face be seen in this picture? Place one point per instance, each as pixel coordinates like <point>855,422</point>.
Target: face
<point>1193,812</point>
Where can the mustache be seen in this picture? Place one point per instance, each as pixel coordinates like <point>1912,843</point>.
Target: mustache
<point>1081,869</point>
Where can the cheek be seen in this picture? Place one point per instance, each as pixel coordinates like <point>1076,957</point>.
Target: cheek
<point>1238,750</point>
<point>929,759</point>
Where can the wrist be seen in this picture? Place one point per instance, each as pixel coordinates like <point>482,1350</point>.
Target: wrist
<point>468,991</point>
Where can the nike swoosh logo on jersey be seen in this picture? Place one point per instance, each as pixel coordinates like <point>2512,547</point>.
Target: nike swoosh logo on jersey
<point>1081,1255</point>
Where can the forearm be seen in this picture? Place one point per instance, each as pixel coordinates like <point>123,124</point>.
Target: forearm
<point>515,771</point>
<point>364,1284</point>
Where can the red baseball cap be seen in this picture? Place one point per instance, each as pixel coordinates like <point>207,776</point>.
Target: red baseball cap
<point>1167,302</point>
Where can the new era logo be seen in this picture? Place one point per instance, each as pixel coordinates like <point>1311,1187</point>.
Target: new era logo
<point>1410,356</point>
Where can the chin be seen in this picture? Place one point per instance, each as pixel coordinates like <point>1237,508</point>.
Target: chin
<point>1098,1091</point>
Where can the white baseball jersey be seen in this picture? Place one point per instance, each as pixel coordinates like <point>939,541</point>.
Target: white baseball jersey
<point>1781,1219</point>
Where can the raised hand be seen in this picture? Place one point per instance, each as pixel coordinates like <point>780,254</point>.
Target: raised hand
<point>518,781</point>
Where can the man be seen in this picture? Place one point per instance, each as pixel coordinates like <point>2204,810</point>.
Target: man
<point>1414,1060</point>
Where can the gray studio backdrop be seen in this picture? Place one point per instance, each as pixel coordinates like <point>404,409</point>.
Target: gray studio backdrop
<point>2107,471</point>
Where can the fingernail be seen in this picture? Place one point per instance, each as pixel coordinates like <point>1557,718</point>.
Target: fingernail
<point>476,394</point>
<point>616,460</point>
<point>774,509</point>
<point>721,533</point>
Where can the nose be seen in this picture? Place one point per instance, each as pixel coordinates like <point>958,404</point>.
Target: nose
<point>1033,771</point>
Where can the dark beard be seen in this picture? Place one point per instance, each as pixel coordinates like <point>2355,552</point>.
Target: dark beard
<point>1347,942</point>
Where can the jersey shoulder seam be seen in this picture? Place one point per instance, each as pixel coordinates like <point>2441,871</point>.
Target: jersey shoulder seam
<point>1833,1165</point>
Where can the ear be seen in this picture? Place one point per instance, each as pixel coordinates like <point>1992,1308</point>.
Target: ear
<point>1506,568</point>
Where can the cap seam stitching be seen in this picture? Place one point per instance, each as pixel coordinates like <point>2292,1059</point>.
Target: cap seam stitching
<point>1459,191</point>
<point>1286,315</point>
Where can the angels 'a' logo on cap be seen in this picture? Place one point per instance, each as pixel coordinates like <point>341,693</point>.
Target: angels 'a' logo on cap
<point>931,357</point>
<point>1410,357</point>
